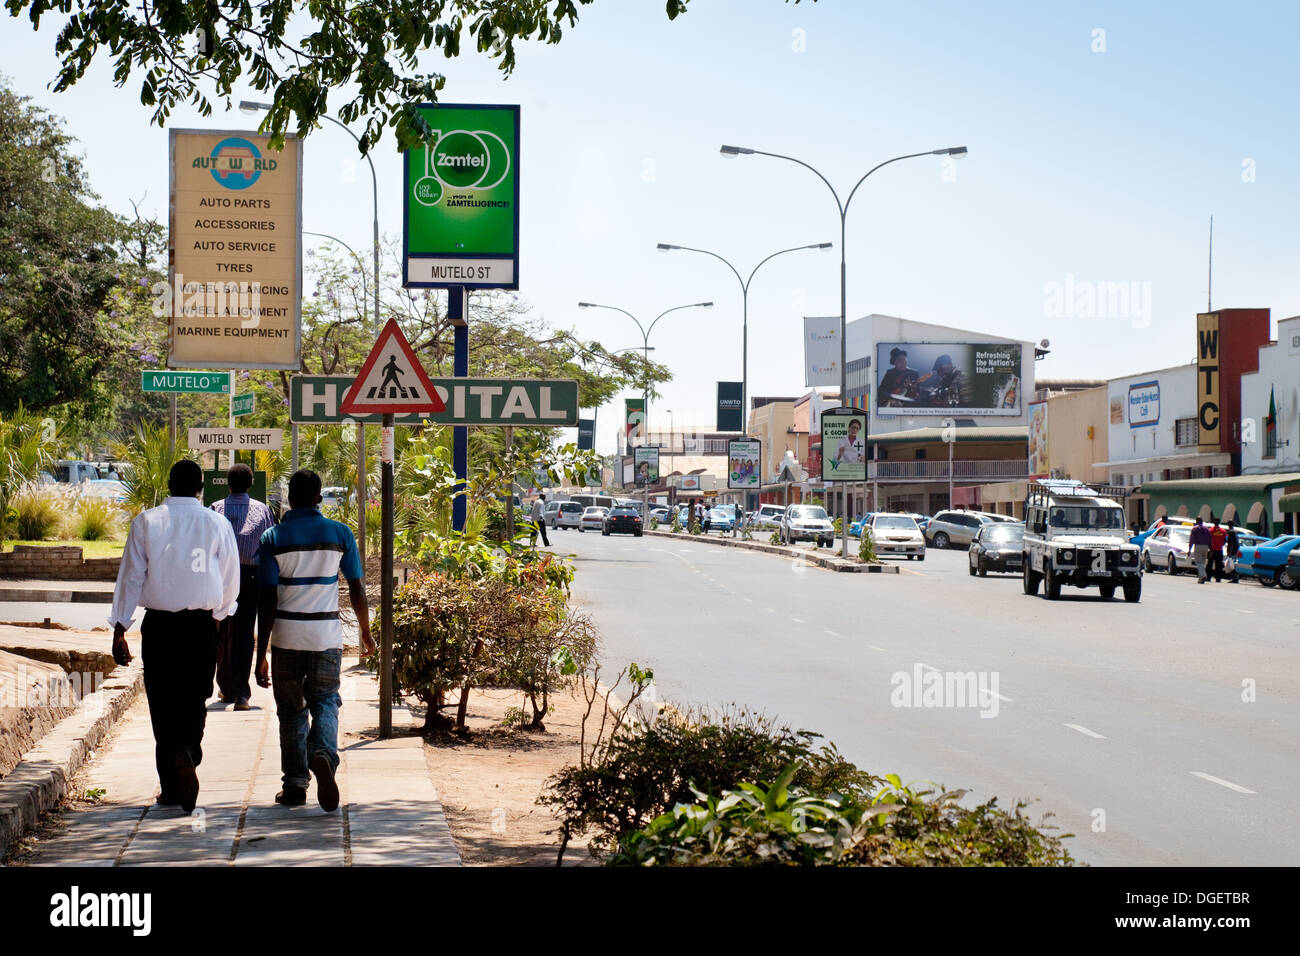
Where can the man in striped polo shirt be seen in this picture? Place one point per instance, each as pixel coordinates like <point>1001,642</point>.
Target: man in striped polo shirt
<point>299,562</point>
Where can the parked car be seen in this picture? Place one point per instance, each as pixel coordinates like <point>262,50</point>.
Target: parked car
<point>104,488</point>
<point>721,519</point>
<point>1267,562</point>
<point>622,520</point>
<point>998,547</point>
<point>769,516</point>
<point>954,527</point>
<point>333,496</point>
<point>593,518</point>
<point>1168,549</point>
<point>663,515</point>
<point>807,523</point>
<point>567,514</point>
<point>1140,539</point>
<point>896,534</point>
<point>855,527</point>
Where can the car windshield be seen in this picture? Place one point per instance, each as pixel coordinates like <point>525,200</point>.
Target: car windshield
<point>719,513</point>
<point>901,522</point>
<point>1180,535</point>
<point>1005,532</point>
<point>810,512</point>
<point>1085,517</point>
<point>623,511</point>
<point>594,511</point>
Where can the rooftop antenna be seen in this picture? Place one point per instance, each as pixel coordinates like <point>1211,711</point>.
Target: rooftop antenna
<point>1209,291</point>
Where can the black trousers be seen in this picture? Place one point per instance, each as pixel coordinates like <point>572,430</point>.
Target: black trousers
<point>178,649</point>
<point>235,639</point>
<point>1215,567</point>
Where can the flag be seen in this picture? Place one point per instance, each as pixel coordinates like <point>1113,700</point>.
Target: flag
<point>1270,422</point>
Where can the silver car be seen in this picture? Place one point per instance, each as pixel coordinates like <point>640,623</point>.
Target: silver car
<point>950,528</point>
<point>807,523</point>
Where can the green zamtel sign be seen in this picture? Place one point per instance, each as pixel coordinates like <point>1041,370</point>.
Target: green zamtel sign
<point>521,402</point>
<point>462,199</point>
<point>165,380</point>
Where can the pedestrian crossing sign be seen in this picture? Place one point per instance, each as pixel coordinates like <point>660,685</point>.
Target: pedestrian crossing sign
<point>391,380</point>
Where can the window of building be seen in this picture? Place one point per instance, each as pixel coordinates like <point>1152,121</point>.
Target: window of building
<point>920,453</point>
<point>1270,441</point>
<point>1186,432</point>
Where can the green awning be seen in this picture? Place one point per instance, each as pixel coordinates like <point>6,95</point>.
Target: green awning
<point>1238,484</point>
<point>1290,503</point>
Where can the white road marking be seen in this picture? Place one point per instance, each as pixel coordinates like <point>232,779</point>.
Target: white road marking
<point>875,648</point>
<point>1086,732</point>
<point>831,633</point>
<point>798,620</point>
<point>749,600</point>
<point>769,610</point>
<point>1221,782</point>
<point>1005,700</point>
<point>926,667</point>
<point>1244,611</point>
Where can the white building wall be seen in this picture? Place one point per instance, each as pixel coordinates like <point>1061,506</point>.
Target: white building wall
<point>1134,437</point>
<point>1279,370</point>
<point>864,333</point>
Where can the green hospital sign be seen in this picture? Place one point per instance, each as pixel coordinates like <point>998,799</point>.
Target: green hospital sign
<point>462,200</point>
<point>164,380</point>
<point>522,402</point>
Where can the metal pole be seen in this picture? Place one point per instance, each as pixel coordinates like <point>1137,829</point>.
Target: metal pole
<point>844,376</point>
<point>363,493</point>
<point>230,408</point>
<point>950,474</point>
<point>386,585</point>
<point>510,490</point>
<point>293,455</point>
<point>171,425</point>
<point>456,309</point>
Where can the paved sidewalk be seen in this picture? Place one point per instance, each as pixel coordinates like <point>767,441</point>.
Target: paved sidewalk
<point>389,813</point>
<point>45,590</point>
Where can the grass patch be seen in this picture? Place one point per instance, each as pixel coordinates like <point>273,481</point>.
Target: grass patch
<point>89,549</point>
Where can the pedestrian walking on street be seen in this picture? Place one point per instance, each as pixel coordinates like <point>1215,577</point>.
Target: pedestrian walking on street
<point>1233,548</point>
<point>538,516</point>
<point>249,519</point>
<point>1199,539</point>
<point>1218,538</point>
<point>181,564</point>
<point>298,616</point>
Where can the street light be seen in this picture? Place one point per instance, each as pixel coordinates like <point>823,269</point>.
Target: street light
<point>744,293</point>
<point>843,207</point>
<point>645,348</point>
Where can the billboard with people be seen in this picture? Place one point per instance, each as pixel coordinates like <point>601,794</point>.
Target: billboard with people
<point>947,378</point>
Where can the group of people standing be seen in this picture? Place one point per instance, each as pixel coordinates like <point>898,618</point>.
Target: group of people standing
<point>1210,546</point>
<point>206,578</point>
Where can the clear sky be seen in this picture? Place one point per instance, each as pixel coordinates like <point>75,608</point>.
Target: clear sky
<point>1101,166</point>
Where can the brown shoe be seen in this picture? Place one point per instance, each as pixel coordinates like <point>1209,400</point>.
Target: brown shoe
<point>187,782</point>
<point>242,704</point>
<point>327,789</point>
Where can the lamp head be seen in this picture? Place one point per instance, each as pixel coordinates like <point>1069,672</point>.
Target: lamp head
<point>736,151</point>
<point>822,245</point>
<point>955,151</point>
<point>666,247</point>
<point>585,305</point>
<point>251,106</point>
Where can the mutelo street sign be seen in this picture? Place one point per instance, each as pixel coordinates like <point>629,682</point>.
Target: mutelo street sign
<point>240,439</point>
<point>520,402</point>
<point>165,380</point>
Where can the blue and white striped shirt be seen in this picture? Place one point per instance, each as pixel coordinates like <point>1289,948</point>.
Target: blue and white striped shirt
<point>302,558</point>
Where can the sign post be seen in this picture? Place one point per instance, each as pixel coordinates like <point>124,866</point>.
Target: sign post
<point>391,380</point>
<point>844,458</point>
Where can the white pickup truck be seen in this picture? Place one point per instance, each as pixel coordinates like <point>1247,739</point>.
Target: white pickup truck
<point>1075,534</point>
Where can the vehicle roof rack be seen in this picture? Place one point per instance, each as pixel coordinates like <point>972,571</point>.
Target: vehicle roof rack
<point>1039,491</point>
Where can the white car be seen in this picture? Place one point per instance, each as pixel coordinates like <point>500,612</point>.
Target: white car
<point>896,534</point>
<point>1168,549</point>
<point>768,516</point>
<point>593,519</point>
<point>567,514</point>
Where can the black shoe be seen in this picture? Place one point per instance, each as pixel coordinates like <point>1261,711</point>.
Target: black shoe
<point>187,782</point>
<point>327,789</point>
<point>168,800</point>
<point>242,704</point>
<point>291,796</point>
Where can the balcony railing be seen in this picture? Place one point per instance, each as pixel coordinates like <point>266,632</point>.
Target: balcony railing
<point>978,469</point>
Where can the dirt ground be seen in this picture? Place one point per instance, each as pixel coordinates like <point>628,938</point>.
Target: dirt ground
<point>489,784</point>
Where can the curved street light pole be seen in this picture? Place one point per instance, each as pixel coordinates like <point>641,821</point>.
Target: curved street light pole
<point>843,208</point>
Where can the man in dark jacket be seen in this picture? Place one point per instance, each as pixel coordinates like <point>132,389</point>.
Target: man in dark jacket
<point>1233,548</point>
<point>1199,541</point>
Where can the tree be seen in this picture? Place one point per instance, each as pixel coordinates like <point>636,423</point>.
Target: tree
<point>301,52</point>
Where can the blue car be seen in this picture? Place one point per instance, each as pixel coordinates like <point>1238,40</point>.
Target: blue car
<point>1138,539</point>
<point>1267,561</point>
<point>721,519</point>
<point>855,527</point>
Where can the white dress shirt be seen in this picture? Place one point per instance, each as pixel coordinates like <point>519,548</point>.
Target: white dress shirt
<point>179,556</point>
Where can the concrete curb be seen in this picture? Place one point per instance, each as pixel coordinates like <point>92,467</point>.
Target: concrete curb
<point>57,596</point>
<point>821,561</point>
<point>41,778</point>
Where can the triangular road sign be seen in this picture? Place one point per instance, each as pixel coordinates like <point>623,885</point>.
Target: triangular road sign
<point>391,380</point>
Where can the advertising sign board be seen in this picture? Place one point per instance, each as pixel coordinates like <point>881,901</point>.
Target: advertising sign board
<point>730,414</point>
<point>1207,380</point>
<point>844,444</point>
<point>821,350</point>
<point>744,463</point>
<point>948,378</point>
<point>1144,404</point>
<point>646,462</point>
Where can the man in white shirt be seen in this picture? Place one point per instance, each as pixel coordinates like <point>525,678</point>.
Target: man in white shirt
<point>181,564</point>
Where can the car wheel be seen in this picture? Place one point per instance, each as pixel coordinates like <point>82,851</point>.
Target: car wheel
<point>920,557</point>
<point>1267,579</point>
<point>1147,566</point>
<point>971,568</point>
<point>984,571</point>
<point>1172,567</point>
<point>605,533</point>
<point>1030,578</point>
<point>1133,589</point>
<point>1051,584</point>
<point>1107,592</point>
<point>941,540</point>
<point>582,529</point>
<point>637,533</point>
<point>1285,580</point>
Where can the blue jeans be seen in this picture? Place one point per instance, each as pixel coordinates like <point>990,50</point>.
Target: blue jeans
<point>303,682</point>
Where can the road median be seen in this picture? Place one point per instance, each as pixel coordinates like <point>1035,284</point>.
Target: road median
<point>827,561</point>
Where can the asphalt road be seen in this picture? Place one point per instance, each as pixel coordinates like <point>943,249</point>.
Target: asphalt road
<point>1127,722</point>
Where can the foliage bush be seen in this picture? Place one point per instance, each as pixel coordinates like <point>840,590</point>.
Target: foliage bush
<point>791,825</point>
<point>148,457</point>
<point>36,516</point>
<point>866,545</point>
<point>676,526</point>
<point>27,445</point>
<point>94,519</point>
<point>646,770</point>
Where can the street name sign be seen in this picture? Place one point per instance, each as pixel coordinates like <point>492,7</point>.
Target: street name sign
<point>520,402</point>
<point>242,404</point>
<point>391,380</point>
<point>164,380</point>
<point>240,439</point>
<point>461,199</point>
<point>234,279</point>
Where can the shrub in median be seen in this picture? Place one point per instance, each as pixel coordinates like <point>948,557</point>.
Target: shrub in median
<point>93,520</point>
<point>37,516</point>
